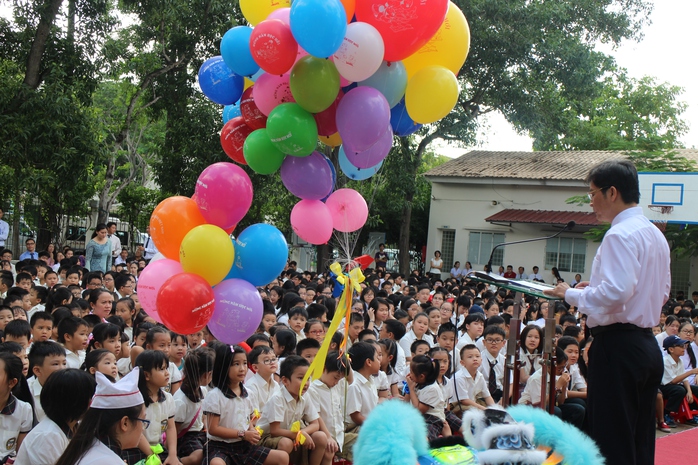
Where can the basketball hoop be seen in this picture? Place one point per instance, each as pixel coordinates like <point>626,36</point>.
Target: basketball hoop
<point>662,210</point>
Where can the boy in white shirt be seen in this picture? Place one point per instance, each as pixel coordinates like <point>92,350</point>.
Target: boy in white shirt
<point>470,389</point>
<point>45,357</point>
<point>675,385</point>
<point>262,385</point>
<point>362,397</point>
<point>73,334</point>
<point>493,361</point>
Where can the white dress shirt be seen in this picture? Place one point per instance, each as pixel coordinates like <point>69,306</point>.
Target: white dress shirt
<point>149,248</point>
<point>672,369</point>
<point>630,276</point>
<point>43,445</point>
<point>115,245</point>
<point>4,232</point>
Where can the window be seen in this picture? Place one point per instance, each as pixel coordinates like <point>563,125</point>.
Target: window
<point>480,247</point>
<point>448,243</point>
<point>566,253</point>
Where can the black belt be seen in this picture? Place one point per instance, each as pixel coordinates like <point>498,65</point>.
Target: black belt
<point>618,327</point>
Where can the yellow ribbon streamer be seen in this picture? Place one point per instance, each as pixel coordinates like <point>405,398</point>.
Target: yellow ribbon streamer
<point>300,437</point>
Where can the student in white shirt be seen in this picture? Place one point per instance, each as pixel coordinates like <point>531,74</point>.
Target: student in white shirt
<point>67,395</point>
<point>16,416</point>
<point>675,385</point>
<point>470,388</point>
<point>45,358</point>
<point>473,325</point>
<point>73,334</point>
<point>394,330</point>
<point>493,361</point>
<point>362,397</point>
<point>262,385</point>
<point>427,396</point>
<point>420,325</point>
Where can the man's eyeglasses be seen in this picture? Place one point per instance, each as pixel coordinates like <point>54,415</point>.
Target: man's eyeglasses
<point>591,193</point>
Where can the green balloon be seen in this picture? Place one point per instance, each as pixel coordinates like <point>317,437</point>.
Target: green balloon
<point>260,154</point>
<point>314,83</point>
<point>292,130</point>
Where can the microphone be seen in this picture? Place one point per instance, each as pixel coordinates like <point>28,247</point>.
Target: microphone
<point>568,226</point>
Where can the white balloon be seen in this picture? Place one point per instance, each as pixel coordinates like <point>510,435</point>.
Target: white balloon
<point>361,52</point>
<point>156,257</point>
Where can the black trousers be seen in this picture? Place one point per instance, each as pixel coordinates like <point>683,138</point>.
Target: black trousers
<point>673,395</point>
<point>625,370</point>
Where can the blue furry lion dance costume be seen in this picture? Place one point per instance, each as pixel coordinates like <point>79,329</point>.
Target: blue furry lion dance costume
<point>395,434</point>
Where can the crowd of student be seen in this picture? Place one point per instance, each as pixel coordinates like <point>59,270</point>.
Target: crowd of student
<point>439,345</point>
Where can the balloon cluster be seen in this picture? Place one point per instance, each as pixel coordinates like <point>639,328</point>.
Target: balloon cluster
<point>353,73</point>
<point>193,237</point>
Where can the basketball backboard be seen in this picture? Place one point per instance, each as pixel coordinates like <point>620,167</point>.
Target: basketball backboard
<point>669,197</point>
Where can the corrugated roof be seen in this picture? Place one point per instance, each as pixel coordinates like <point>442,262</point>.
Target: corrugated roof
<point>514,215</point>
<point>565,165</point>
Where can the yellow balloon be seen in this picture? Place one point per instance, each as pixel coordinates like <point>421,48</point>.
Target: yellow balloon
<point>256,11</point>
<point>431,94</point>
<point>449,47</point>
<point>247,84</point>
<point>333,141</point>
<point>208,252</point>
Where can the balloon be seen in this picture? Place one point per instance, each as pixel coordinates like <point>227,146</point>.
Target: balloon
<point>431,94</point>
<point>273,46</point>
<point>373,155</point>
<point>235,48</point>
<point>231,111</point>
<point>349,8</point>
<point>390,80</point>
<point>327,119</point>
<point>254,118</point>
<point>335,140</point>
<point>261,155</point>
<point>292,130</point>
<point>151,280</point>
<point>307,177</point>
<point>261,252</point>
<point>156,257</point>
<point>314,83</point>
<point>256,11</point>
<point>448,48</point>
<point>233,137</point>
<point>318,25</point>
<point>312,222</point>
<point>401,122</point>
<point>238,311</point>
<point>219,83</point>
<point>362,116</point>
<point>283,14</point>
<point>354,173</point>
<point>348,209</point>
<point>361,52</point>
<point>207,251</point>
<point>404,25</point>
<point>185,303</point>
<point>223,194</point>
<point>270,91</point>
<point>334,174</point>
<point>171,220</point>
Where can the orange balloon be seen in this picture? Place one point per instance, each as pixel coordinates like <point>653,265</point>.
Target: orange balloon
<point>349,7</point>
<point>171,220</point>
<point>335,140</point>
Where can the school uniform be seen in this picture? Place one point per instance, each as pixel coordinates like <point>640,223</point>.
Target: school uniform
<point>74,360</point>
<point>286,410</point>
<point>234,412</point>
<point>260,391</point>
<point>465,387</point>
<point>330,405</point>
<point>43,445</point>
<point>362,397</point>
<point>463,340</point>
<point>401,366</point>
<point>531,394</point>
<point>101,454</point>
<point>15,419</point>
<point>191,437</point>
<point>35,389</point>
<point>433,396</point>
<point>407,340</point>
<point>686,358</point>
<point>447,389</point>
<point>490,363</point>
<point>175,376</point>
<point>158,413</point>
<point>673,393</point>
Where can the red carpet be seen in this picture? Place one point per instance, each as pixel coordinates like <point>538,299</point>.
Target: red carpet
<point>677,448</point>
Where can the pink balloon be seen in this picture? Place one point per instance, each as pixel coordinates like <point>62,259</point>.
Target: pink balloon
<point>223,194</point>
<point>362,116</point>
<point>348,209</point>
<point>374,155</point>
<point>283,14</point>
<point>271,91</point>
<point>311,221</point>
<point>151,280</point>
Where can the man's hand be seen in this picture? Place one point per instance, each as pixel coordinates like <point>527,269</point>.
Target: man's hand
<point>558,291</point>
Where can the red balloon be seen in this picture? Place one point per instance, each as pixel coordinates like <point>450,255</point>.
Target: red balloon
<point>273,47</point>
<point>185,303</point>
<point>253,117</point>
<point>404,25</point>
<point>326,121</point>
<point>233,138</point>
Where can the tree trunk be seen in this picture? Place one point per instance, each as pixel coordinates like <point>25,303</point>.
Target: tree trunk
<point>16,247</point>
<point>71,21</point>
<point>32,78</point>
<point>323,257</point>
<point>404,240</point>
<point>105,200</point>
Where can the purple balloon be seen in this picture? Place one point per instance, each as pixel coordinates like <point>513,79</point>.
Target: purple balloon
<point>362,116</point>
<point>238,311</point>
<point>374,155</point>
<point>308,178</point>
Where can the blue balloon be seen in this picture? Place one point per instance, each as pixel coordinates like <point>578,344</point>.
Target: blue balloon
<point>318,25</point>
<point>401,122</point>
<point>390,80</point>
<point>261,252</point>
<point>352,172</point>
<point>219,83</point>
<point>231,111</point>
<point>256,75</point>
<point>235,48</point>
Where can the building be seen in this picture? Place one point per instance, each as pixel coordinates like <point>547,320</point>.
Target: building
<point>485,198</point>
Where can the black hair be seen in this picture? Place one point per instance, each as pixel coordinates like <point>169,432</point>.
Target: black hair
<point>470,319</point>
<point>337,339</point>
<point>143,327</point>
<point>467,347</point>
<point>101,332</point>
<point>390,347</point>
<point>355,318</point>
<point>225,355</point>
<point>147,361</point>
<point>396,328</point>
<point>365,332</point>
<point>494,329</point>
<point>13,370</point>
<point>42,349</point>
<point>69,325</point>
<point>17,292</point>
<point>41,293</point>
<point>45,316</point>
<point>66,395</point>
<point>400,314</point>
<point>287,339</point>
<point>24,276</point>
<point>290,300</point>
<point>92,320</point>
<point>18,328</point>
<point>565,341</point>
<point>257,337</point>
<point>307,343</point>
<point>567,318</point>
<point>316,310</point>
<point>253,355</point>
<point>197,363</point>
<point>447,327</point>
<point>150,337</point>
<point>56,298</point>
<point>524,334</point>
<point>416,344</point>
<point>289,365</point>
<point>118,321</point>
<point>620,174</point>
<point>560,356</point>
<point>335,363</point>
<point>11,347</point>
<point>573,331</point>
<point>494,320</point>
<point>93,358</point>
<point>131,306</point>
<point>424,365</point>
<point>298,310</point>
<point>361,352</point>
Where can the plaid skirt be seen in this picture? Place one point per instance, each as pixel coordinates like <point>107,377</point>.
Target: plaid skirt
<point>454,422</point>
<point>435,426</point>
<point>190,443</point>
<point>235,453</point>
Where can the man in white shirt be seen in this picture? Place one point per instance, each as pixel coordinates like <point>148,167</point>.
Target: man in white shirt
<point>4,229</point>
<point>630,282</point>
<point>535,275</point>
<point>521,274</point>
<point>114,239</point>
<point>149,249</point>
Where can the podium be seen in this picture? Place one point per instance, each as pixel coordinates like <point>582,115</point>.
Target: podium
<point>513,364</point>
